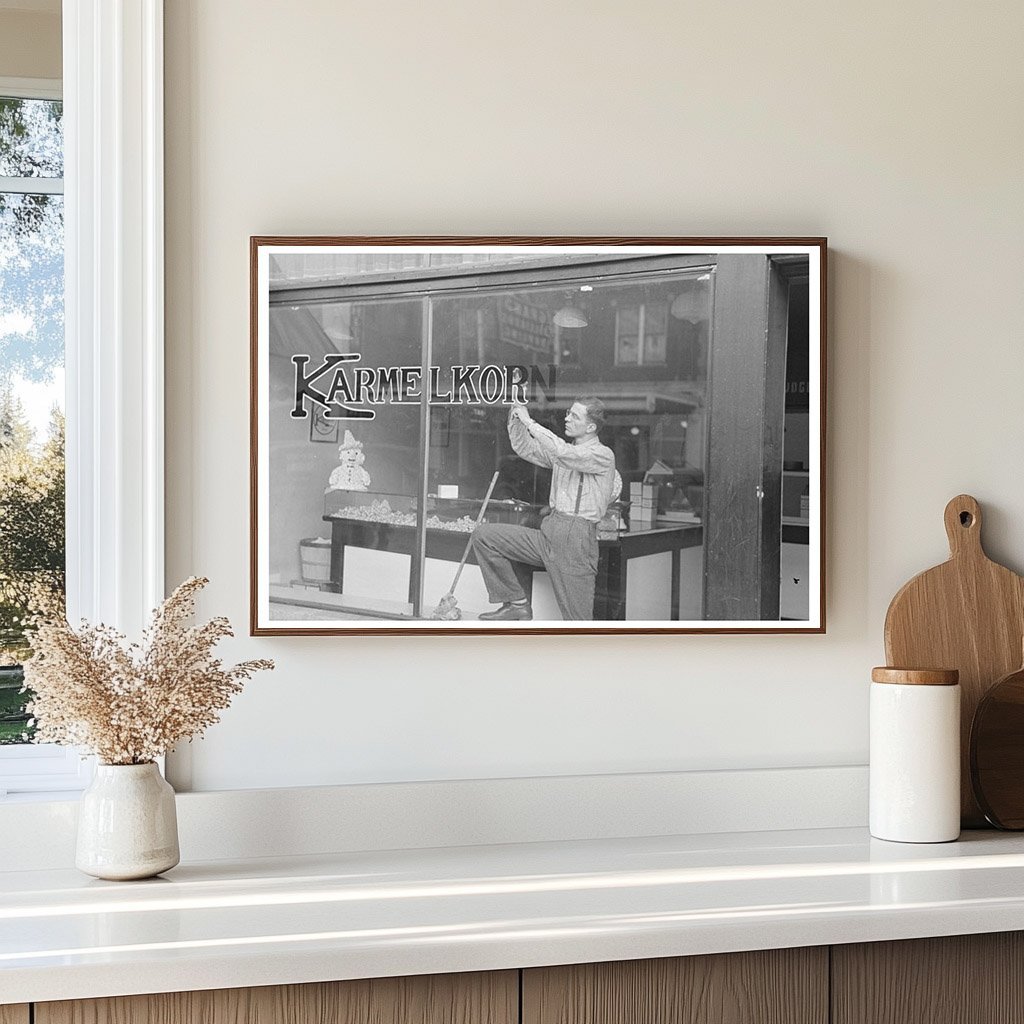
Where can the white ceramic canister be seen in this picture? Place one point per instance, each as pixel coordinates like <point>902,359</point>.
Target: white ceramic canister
<point>915,755</point>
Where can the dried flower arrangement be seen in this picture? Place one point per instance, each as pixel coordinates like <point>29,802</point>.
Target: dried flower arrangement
<point>129,704</point>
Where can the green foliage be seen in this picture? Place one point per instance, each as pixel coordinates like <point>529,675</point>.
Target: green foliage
<point>14,727</point>
<point>31,549</point>
<point>31,524</point>
<point>31,138</point>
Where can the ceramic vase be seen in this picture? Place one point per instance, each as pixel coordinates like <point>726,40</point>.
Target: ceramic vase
<point>127,825</point>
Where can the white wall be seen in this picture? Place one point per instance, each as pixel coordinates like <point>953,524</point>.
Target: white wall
<point>894,129</point>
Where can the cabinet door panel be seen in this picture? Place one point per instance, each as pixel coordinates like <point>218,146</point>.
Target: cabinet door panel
<point>483,998</point>
<point>962,979</point>
<point>14,1014</point>
<point>778,986</point>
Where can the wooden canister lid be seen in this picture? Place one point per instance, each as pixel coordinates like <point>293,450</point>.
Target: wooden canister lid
<point>916,676</point>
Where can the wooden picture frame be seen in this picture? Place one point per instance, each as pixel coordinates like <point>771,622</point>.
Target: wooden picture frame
<point>707,358</point>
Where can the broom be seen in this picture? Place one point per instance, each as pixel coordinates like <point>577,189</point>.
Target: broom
<point>448,608</point>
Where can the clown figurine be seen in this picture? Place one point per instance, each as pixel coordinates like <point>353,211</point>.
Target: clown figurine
<point>350,475</point>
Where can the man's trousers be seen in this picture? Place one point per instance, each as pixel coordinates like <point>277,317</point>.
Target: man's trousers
<point>566,546</point>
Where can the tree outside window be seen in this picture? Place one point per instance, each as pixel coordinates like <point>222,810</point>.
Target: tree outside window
<point>31,385</point>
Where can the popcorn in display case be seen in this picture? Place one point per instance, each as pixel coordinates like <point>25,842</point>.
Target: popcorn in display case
<point>454,514</point>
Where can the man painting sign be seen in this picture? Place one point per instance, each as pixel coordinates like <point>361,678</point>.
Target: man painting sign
<point>583,484</point>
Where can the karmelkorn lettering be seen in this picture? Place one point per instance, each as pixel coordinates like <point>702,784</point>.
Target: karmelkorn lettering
<point>344,391</point>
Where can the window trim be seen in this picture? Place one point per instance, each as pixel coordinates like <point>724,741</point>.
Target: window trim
<point>113,52</point>
<point>114,323</point>
<point>32,88</point>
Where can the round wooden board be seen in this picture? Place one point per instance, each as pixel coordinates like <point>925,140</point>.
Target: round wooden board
<point>997,752</point>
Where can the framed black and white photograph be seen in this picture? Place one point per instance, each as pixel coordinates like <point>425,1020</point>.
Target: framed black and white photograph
<point>537,435</point>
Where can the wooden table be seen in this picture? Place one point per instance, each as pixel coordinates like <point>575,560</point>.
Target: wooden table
<point>616,551</point>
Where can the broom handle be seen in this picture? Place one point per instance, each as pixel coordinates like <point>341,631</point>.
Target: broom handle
<point>469,543</point>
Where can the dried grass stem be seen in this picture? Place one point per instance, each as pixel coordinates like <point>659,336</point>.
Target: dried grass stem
<point>130,703</point>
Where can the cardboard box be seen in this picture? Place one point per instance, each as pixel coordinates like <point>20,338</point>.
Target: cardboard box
<point>642,492</point>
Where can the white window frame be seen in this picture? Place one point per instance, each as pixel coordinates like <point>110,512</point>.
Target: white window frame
<point>114,325</point>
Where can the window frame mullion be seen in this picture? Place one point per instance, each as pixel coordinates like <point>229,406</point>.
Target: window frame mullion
<point>32,186</point>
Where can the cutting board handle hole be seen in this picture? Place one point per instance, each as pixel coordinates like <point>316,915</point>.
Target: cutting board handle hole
<point>962,519</point>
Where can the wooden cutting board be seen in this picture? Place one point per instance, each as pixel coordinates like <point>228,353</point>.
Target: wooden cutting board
<point>967,614</point>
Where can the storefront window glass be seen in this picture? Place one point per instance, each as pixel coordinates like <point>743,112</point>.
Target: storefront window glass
<point>366,471</point>
<point>566,343</point>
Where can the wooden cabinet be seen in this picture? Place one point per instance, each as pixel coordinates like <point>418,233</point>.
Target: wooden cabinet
<point>491,998</point>
<point>776,986</point>
<point>966,979</point>
<point>972,979</point>
<point>963,979</point>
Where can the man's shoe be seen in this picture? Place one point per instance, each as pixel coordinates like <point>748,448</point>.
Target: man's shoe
<point>508,611</point>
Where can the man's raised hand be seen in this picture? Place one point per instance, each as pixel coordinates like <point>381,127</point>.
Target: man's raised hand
<point>520,413</point>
